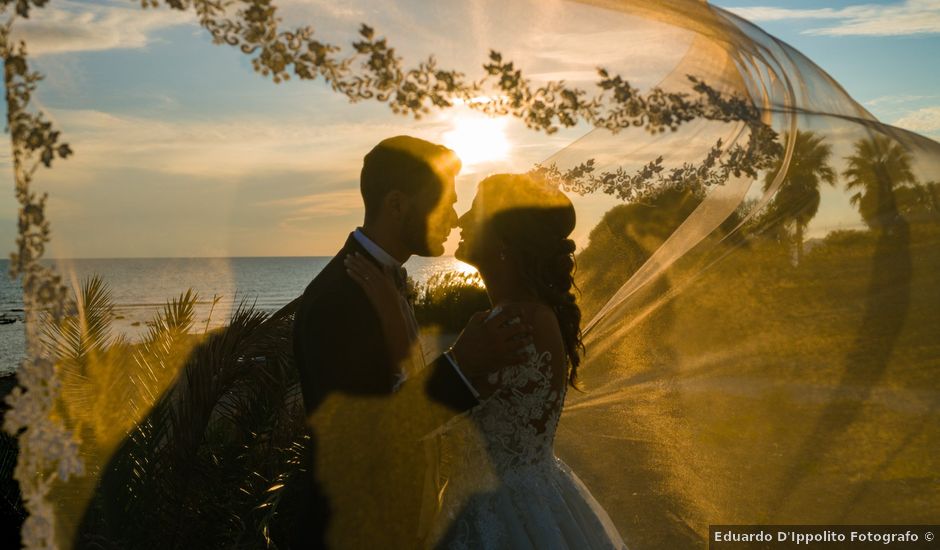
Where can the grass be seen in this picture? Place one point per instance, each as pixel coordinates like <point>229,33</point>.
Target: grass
<point>769,393</point>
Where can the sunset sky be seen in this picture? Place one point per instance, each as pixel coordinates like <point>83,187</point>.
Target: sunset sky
<point>181,149</point>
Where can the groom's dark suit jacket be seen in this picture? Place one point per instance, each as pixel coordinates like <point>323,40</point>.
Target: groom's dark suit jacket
<point>365,486</point>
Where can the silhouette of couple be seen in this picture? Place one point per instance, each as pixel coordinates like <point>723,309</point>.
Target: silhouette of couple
<point>455,452</point>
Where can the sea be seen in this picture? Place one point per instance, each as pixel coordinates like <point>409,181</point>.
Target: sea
<point>141,287</point>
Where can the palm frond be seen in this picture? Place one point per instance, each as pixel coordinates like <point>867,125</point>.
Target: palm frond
<point>208,455</point>
<point>877,168</point>
<point>798,197</point>
<point>87,327</point>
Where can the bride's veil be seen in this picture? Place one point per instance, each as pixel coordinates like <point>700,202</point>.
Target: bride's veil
<point>757,264</point>
<point>736,381</point>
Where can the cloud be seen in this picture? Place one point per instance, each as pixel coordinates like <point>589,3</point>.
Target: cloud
<point>229,149</point>
<point>294,8</point>
<point>241,147</point>
<point>926,120</point>
<point>906,18</point>
<point>901,99</point>
<point>243,184</point>
<point>608,47</point>
<point>332,203</point>
<point>76,27</point>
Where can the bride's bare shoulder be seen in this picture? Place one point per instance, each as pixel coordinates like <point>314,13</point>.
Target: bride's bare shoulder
<point>545,330</point>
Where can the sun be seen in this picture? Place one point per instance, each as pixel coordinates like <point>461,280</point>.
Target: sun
<point>478,139</point>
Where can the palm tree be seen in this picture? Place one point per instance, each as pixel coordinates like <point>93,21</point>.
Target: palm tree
<point>878,166</point>
<point>183,433</point>
<point>920,202</point>
<point>798,198</point>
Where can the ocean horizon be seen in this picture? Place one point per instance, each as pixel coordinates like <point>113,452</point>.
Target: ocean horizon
<point>140,287</point>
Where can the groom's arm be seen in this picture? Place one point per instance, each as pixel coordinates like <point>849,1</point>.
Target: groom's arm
<point>345,351</point>
<point>457,377</point>
<point>447,385</point>
<point>428,399</point>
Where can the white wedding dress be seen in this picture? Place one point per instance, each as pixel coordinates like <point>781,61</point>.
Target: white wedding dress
<point>496,482</point>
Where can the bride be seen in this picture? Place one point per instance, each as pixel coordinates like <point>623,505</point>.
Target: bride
<point>494,481</point>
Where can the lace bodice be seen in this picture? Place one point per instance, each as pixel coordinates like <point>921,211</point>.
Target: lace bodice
<point>508,434</point>
<point>494,480</point>
<point>517,423</point>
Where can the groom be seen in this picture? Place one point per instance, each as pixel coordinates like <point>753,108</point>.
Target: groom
<point>367,408</point>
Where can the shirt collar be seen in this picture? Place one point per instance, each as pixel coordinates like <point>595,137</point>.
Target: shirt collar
<point>375,250</point>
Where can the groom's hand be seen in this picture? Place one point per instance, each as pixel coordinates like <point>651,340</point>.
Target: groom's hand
<point>487,345</point>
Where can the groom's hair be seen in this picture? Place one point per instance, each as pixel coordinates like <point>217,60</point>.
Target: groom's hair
<point>405,164</point>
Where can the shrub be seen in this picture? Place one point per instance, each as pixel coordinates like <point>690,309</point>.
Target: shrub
<point>448,300</point>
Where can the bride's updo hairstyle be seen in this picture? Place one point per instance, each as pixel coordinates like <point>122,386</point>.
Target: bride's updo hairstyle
<point>533,219</point>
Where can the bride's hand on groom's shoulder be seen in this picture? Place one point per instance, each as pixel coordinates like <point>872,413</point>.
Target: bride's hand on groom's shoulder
<point>381,291</point>
<point>489,343</point>
<point>378,287</point>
